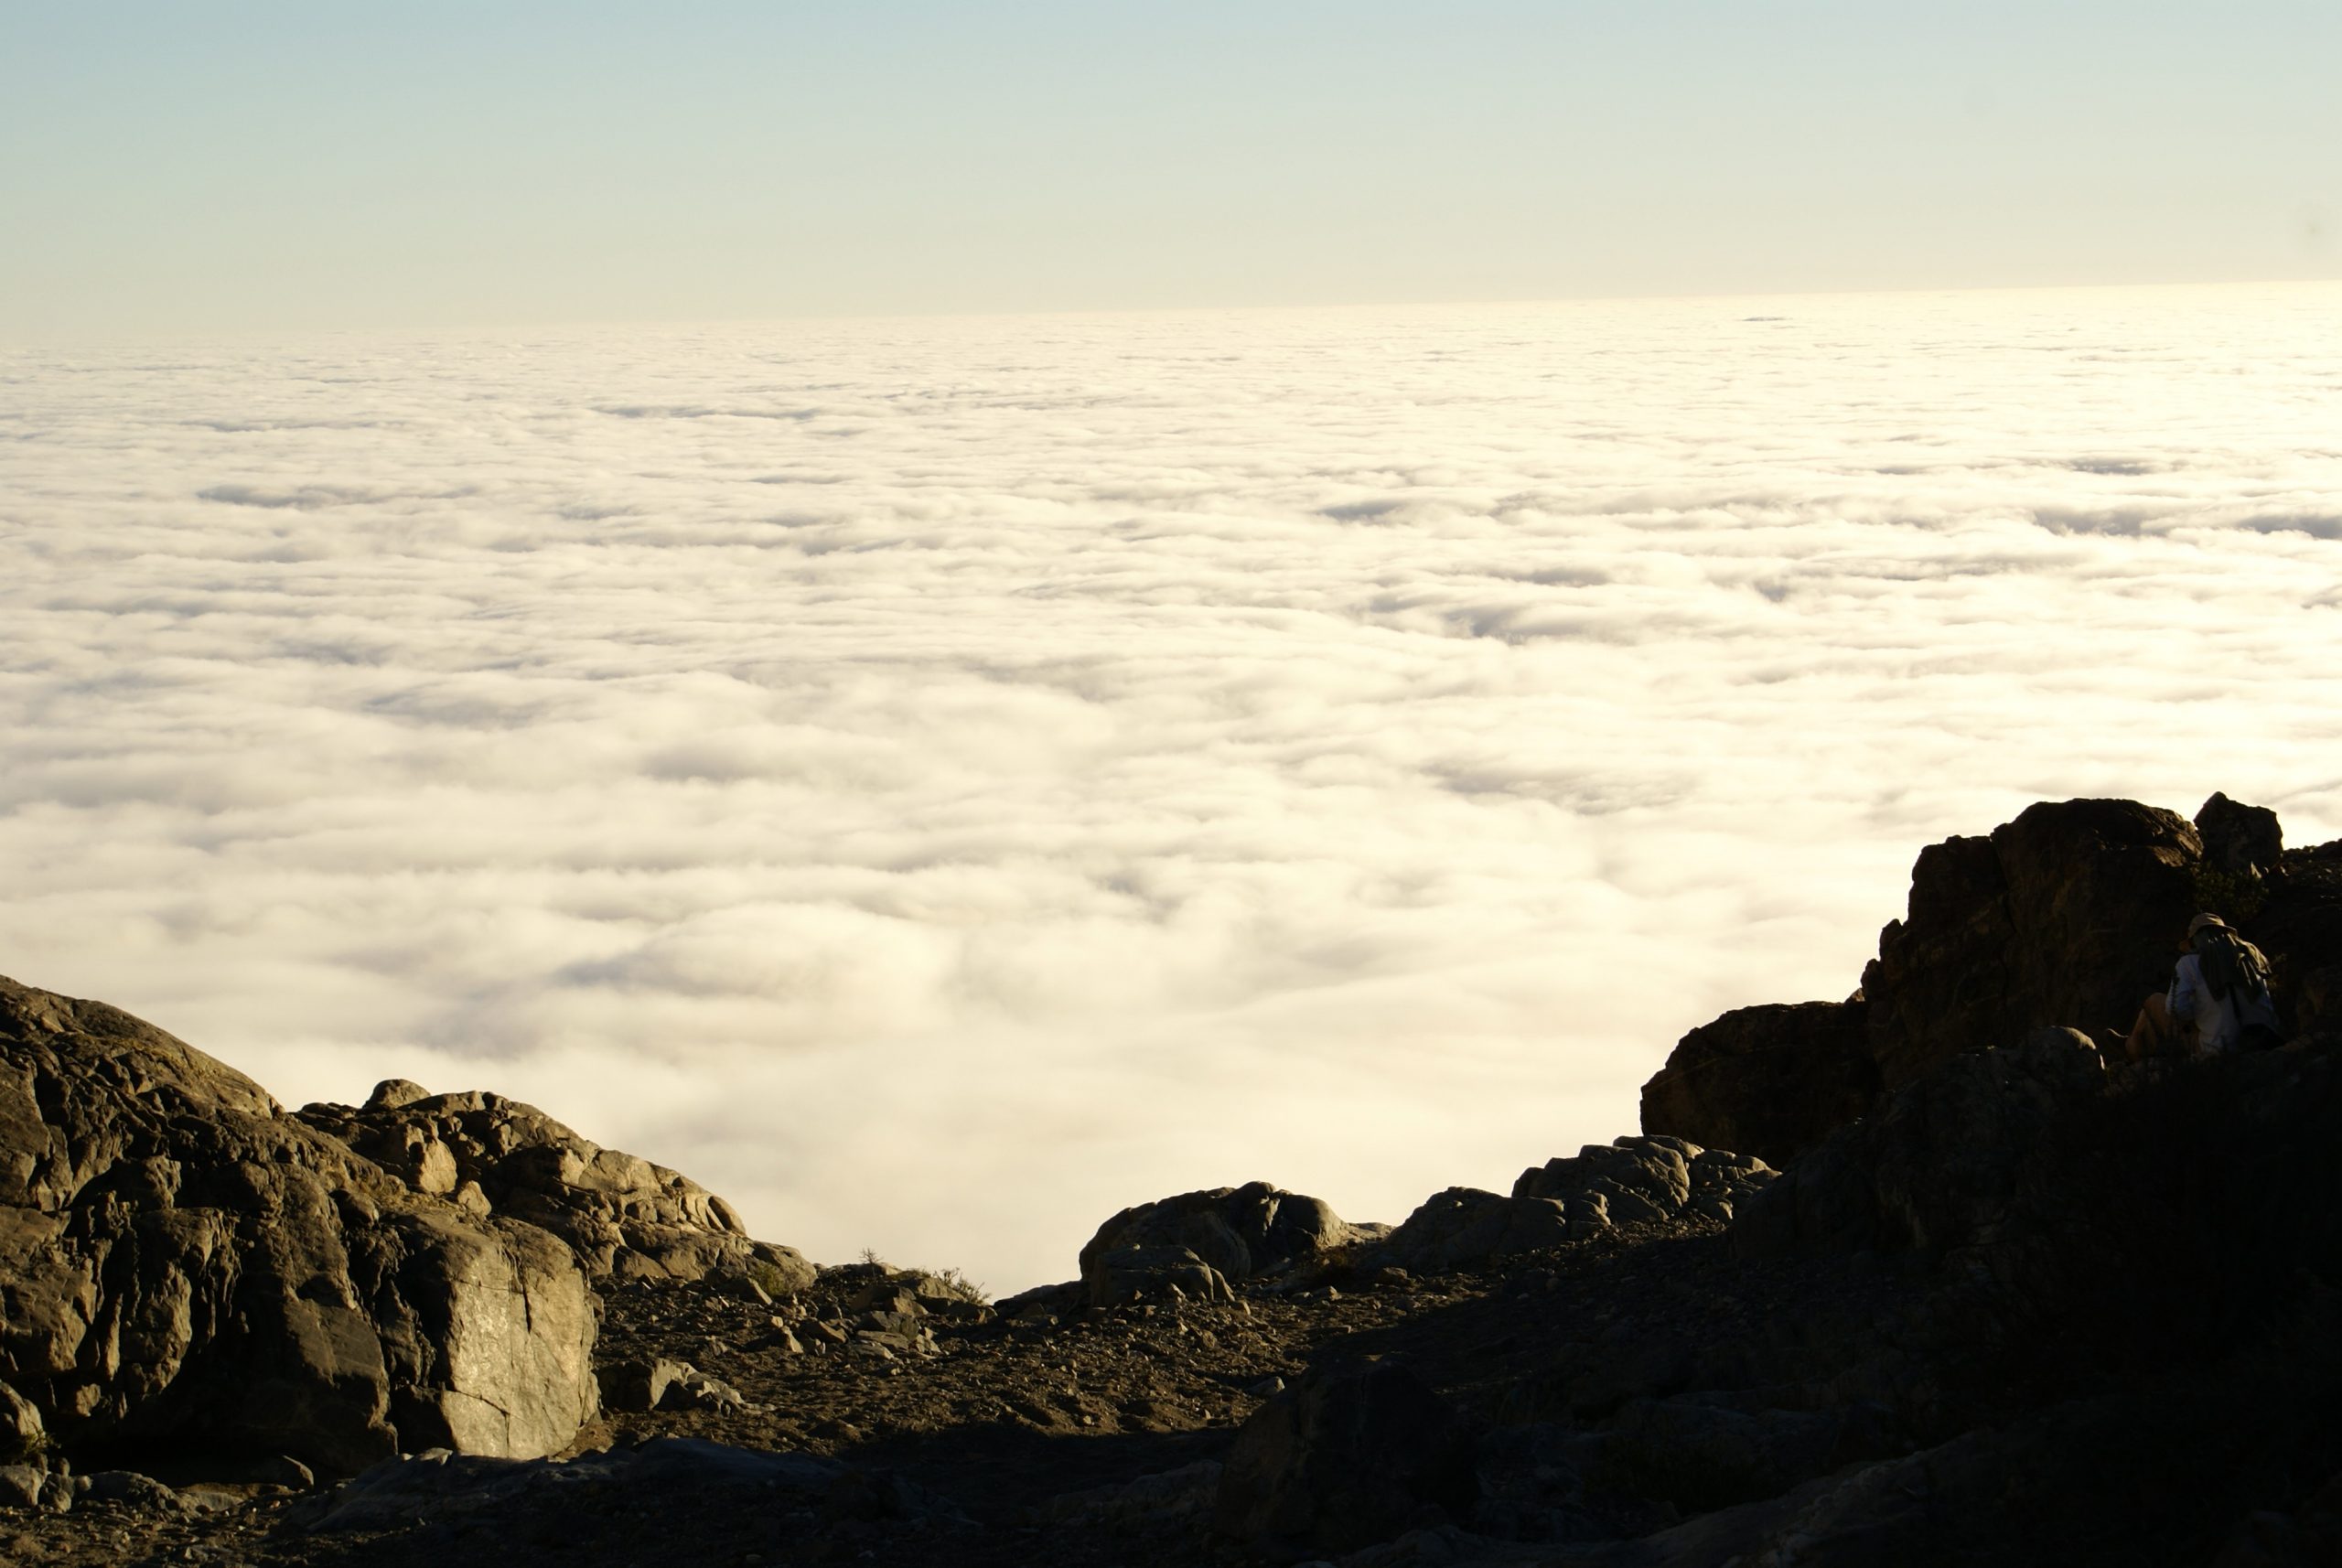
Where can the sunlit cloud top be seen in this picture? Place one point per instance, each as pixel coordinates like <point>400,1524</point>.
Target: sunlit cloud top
<point>939,782</point>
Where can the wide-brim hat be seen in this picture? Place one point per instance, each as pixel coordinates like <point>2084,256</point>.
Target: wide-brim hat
<point>2202,920</point>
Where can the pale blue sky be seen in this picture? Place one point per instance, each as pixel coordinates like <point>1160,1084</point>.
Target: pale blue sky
<point>197,167</point>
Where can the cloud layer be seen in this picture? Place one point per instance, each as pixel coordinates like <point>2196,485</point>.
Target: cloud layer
<point>937,782</point>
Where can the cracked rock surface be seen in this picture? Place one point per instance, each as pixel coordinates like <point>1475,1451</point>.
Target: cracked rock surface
<point>183,1265</point>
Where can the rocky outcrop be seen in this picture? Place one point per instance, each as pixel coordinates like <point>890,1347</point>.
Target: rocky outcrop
<point>2240,839</point>
<point>1200,1243</point>
<point>913,1293</point>
<point>2065,916</point>
<point>1968,1156</point>
<point>2069,914</point>
<point>1355,1455</point>
<point>183,1265</point>
<point>1769,1081</point>
<point>2295,916</point>
<point>2139,1214</point>
<point>1633,1181</point>
<point>1638,1180</point>
<point>625,1218</point>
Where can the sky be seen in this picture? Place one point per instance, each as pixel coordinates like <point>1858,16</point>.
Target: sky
<point>174,168</point>
<point>937,781</point>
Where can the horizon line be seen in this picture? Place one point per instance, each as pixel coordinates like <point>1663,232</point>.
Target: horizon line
<point>484,326</point>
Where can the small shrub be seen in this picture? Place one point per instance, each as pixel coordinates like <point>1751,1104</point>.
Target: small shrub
<point>2234,895</point>
<point>963,1287</point>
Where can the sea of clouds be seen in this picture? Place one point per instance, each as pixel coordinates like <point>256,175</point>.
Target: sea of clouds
<point>937,782</point>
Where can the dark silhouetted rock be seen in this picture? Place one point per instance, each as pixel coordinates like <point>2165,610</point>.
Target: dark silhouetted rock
<point>1352,1456</point>
<point>2089,1215</point>
<point>1701,1452</point>
<point>2318,1000</point>
<point>2298,923</point>
<point>183,1267</point>
<point>1769,1081</point>
<point>1532,1484</point>
<point>2306,1537</point>
<point>676,1473</point>
<point>2068,915</point>
<point>1942,1167</point>
<point>626,1218</point>
<point>2240,839</point>
<point>1191,1489</point>
<point>1044,1302</point>
<point>1203,1242</point>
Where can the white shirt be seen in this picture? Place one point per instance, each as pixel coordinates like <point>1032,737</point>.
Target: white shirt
<point>2218,1022</point>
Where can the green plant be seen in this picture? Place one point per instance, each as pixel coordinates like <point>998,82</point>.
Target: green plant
<point>963,1287</point>
<point>2234,895</point>
<point>24,1448</point>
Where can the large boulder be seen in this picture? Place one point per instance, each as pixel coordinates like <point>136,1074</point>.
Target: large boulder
<point>2240,839</point>
<point>1354,1455</point>
<point>2068,915</point>
<point>1771,1081</point>
<point>184,1268</point>
<point>1464,1228</point>
<point>625,1216</point>
<point>1204,1242</point>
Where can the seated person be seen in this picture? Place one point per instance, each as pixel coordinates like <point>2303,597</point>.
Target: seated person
<point>2218,999</point>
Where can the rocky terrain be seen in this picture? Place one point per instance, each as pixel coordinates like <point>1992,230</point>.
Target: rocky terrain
<point>1929,1275</point>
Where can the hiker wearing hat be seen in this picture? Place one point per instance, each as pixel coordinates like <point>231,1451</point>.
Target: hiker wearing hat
<point>2218,999</point>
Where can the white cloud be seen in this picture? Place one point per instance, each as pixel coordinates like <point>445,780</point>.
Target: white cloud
<point>937,782</point>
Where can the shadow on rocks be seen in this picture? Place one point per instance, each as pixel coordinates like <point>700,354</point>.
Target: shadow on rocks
<point>1354,1455</point>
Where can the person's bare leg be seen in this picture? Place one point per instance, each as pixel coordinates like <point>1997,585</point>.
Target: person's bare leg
<point>2151,1032</point>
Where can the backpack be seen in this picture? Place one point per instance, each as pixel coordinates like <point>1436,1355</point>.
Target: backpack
<point>2231,964</point>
